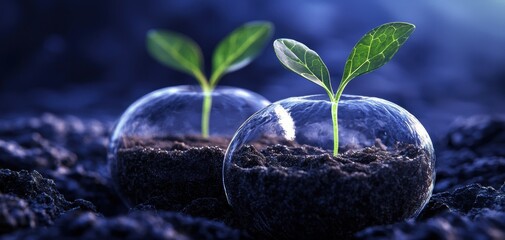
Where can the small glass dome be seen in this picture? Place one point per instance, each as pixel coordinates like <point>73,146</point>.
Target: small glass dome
<point>165,121</point>
<point>280,172</point>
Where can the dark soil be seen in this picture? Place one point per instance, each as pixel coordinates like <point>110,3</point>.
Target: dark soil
<point>137,225</point>
<point>70,151</point>
<point>28,200</point>
<point>170,173</point>
<point>467,201</point>
<point>290,193</point>
<point>474,153</point>
<point>469,212</point>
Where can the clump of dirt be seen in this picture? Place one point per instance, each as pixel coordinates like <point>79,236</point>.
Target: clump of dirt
<point>28,200</point>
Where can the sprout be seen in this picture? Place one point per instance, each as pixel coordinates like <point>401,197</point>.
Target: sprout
<point>372,51</point>
<point>235,51</point>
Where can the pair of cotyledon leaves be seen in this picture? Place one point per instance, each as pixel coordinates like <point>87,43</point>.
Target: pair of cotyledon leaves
<point>240,47</point>
<point>372,51</point>
<point>234,52</point>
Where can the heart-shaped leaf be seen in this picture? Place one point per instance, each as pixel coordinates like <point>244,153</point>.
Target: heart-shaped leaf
<point>304,61</point>
<point>176,51</point>
<point>375,49</point>
<point>239,48</point>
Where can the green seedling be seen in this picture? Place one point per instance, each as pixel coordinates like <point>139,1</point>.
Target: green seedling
<point>235,51</point>
<point>372,51</point>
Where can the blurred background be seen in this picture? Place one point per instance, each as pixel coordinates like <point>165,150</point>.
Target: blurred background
<point>88,57</point>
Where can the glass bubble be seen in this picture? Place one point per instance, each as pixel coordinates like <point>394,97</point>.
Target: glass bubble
<point>163,121</point>
<point>279,169</point>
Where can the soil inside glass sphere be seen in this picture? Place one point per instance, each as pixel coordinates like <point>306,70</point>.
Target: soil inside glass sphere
<point>303,192</point>
<point>171,172</point>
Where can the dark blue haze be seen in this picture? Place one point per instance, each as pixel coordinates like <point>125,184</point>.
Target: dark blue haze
<point>88,57</point>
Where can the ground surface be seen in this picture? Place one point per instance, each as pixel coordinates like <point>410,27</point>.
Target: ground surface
<point>53,185</point>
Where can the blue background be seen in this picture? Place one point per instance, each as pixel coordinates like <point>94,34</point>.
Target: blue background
<point>88,57</point>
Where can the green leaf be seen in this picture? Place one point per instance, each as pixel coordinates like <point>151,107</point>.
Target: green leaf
<point>375,49</point>
<point>302,60</point>
<point>176,51</point>
<point>239,48</point>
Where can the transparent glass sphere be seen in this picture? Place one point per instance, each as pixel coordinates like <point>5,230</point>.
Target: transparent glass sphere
<point>160,123</point>
<point>178,111</point>
<point>280,173</point>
